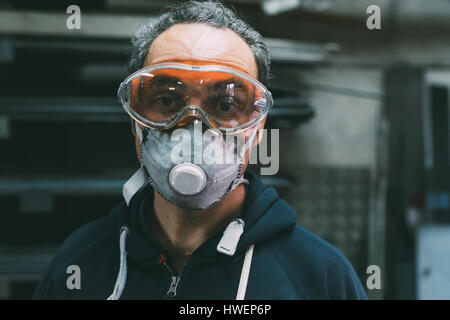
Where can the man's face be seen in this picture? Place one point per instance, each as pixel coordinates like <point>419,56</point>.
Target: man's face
<point>201,42</point>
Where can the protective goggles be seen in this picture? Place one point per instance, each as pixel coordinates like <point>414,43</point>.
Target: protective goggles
<point>168,95</point>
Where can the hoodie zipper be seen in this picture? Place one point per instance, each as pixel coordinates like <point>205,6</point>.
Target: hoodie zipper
<point>175,280</point>
<point>172,292</point>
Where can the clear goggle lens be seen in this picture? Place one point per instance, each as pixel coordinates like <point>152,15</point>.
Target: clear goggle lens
<point>169,95</point>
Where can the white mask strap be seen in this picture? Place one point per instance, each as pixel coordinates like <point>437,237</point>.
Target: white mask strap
<point>138,130</point>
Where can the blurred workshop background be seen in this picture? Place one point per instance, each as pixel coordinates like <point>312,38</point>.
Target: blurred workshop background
<point>363,117</point>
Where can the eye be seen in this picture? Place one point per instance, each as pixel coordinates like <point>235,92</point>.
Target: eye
<point>225,106</point>
<point>165,101</point>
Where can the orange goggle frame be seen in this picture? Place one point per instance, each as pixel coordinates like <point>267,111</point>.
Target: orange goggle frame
<point>187,113</point>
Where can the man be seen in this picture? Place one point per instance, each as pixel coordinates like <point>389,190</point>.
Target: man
<point>192,227</point>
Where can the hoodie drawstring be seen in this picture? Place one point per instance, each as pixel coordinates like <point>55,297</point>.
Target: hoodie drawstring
<point>242,288</point>
<point>122,276</point>
<point>245,273</point>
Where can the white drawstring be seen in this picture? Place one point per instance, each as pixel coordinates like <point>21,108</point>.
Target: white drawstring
<point>245,273</point>
<point>228,245</point>
<point>122,276</point>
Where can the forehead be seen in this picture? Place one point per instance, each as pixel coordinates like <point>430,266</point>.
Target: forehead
<point>201,42</point>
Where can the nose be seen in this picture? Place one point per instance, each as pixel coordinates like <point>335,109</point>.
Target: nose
<point>194,113</point>
<point>187,120</point>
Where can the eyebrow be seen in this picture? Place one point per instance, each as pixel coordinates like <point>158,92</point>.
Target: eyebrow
<point>237,83</point>
<point>166,81</point>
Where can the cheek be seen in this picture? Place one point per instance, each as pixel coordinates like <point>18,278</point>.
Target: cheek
<point>247,158</point>
<point>248,134</point>
<point>256,141</point>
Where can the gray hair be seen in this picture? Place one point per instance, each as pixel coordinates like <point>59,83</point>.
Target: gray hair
<point>213,13</point>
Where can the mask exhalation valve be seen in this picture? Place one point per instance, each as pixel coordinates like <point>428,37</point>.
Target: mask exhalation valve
<point>187,179</point>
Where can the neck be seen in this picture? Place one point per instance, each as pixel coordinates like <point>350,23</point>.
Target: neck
<point>181,231</point>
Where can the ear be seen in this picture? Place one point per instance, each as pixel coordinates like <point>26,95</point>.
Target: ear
<point>259,134</point>
<point>133,128</point>
<point>136,139</point>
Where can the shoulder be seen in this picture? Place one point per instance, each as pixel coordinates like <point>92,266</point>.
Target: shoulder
<point>92,239</point>
<point>312,260</point>
<point>85,238</point>
<point>302,243</point>
<point>88,243</point>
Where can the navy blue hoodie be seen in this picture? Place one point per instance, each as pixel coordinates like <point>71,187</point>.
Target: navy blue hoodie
<point>288,261</point>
